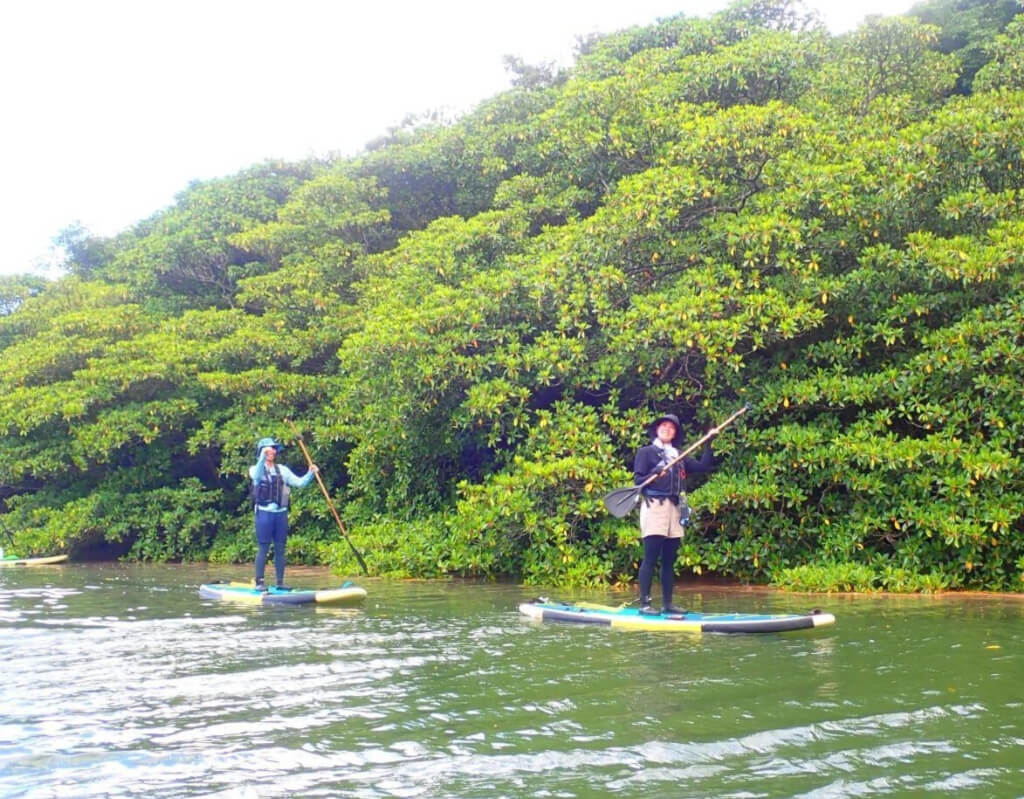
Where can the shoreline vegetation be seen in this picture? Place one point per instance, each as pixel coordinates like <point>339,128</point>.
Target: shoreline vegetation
<point>323,575</point>
<point>471,322</point>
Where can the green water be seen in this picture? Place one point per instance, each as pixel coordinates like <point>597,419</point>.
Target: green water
<point>121,681</point>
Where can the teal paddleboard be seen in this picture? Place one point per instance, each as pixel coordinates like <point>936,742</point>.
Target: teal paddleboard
<point>347,593</point>
<point>631,619</point>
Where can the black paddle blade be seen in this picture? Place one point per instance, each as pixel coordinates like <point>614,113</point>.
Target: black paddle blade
<point>622,500</point>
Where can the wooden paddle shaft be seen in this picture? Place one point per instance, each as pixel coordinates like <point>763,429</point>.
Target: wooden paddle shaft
<point>327,496</point>
<point>714,431</point>
<point>320,482</point>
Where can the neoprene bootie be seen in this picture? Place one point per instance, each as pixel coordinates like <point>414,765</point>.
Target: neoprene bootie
<point>645,607</point>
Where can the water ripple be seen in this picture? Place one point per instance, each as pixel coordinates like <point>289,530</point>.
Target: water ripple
<point>445,691</point>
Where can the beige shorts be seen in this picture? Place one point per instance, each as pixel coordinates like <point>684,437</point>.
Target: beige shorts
<point>660,516</point>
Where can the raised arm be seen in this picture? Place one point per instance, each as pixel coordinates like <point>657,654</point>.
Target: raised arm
<point>705,463</point>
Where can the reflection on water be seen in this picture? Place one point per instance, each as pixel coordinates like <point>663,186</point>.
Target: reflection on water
<point>121,681</point>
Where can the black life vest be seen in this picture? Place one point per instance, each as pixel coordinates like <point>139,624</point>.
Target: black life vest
<point>270,488</point>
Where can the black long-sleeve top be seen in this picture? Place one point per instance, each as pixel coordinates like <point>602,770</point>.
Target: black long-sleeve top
<point>650,460</point>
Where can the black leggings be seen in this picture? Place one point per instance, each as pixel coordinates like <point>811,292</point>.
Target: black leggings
<point>667,548</point>
<point>271,528</point>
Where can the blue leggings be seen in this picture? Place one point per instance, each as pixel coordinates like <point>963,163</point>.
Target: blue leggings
<point>271,528</point>
<point>667,549</point>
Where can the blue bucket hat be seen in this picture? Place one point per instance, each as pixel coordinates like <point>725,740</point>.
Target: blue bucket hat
<point>268,442</point>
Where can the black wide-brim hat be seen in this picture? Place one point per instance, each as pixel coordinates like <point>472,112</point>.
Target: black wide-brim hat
<point>666,417</point>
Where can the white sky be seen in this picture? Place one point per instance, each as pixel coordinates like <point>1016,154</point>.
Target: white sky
<point>111,107</point>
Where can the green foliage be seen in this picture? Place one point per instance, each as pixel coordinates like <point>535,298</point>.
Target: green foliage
<point>858,577</point>
<point>967,28</point>
<point>516,521</point>
<point>1006,68</point>
<point>234,541</point>
<point>169,523</point>
<point>15,289</point>
<point>394,547</point>
<point>184,257</point>
<point>473,321</point>
<point>887,59</point>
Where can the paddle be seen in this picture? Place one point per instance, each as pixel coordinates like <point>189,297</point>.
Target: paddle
<point>622,500</point>
<point>327,496</point>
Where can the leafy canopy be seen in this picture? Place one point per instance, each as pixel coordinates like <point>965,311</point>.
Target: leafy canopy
<point>473,321</point>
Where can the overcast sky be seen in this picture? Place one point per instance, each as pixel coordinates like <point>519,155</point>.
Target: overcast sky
<point>111,107</point>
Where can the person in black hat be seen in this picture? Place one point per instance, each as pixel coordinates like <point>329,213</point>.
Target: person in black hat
<point>271,484</point>
<point>663,507</point>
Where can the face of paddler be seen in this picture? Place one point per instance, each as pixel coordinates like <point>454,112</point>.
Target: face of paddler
<point>271,453</point>
<point>666,432</point>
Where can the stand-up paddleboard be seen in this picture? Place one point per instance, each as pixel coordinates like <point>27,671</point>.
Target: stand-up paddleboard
<point>14,560</point>
<point>631,618</point>
<point>347,593</point>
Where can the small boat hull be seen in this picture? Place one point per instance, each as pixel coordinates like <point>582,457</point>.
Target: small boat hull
<point>48,561</point>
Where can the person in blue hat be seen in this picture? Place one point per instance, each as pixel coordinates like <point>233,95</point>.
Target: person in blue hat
<point>271,486</point>
<point>663,507</point>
